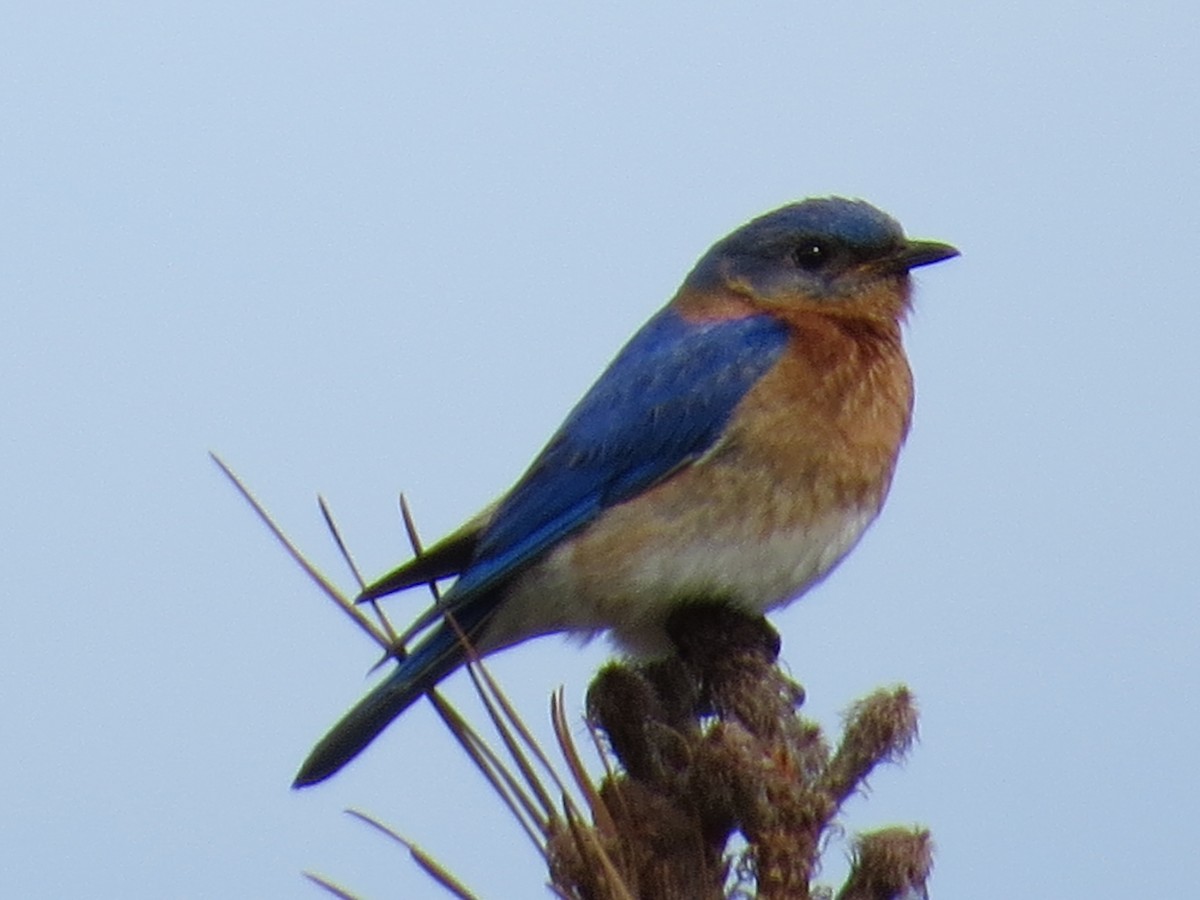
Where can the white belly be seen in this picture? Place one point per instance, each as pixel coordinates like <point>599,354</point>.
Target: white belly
<point>586,586</point>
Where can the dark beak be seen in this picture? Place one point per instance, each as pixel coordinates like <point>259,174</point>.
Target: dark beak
<point>921,253</point>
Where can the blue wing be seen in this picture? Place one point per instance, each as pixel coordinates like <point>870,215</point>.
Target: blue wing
<point>662,402</point>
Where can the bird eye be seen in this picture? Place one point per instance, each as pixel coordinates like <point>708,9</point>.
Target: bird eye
<point>810,254</point>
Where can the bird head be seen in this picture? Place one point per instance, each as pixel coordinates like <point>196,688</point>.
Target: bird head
<point>836,255</point>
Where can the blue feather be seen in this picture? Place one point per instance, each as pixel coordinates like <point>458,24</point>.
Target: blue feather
<point>662,402</point>
<point>437,656</point>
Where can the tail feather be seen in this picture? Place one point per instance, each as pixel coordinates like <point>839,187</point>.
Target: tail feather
<point>428,664</point>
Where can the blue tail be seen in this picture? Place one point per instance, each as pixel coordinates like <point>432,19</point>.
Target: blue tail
<point>431,661</point>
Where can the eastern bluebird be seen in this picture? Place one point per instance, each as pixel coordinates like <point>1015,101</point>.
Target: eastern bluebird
<point>735,450</point>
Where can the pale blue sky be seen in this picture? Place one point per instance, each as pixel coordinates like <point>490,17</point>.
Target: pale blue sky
<point>358,248</point>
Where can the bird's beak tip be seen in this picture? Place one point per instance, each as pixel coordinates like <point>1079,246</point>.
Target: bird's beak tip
<point>924,253</point>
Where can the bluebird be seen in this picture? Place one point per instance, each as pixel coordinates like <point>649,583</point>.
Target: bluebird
<point>736,449</point>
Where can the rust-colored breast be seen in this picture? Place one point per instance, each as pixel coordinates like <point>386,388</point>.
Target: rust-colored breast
<point>832,414</point>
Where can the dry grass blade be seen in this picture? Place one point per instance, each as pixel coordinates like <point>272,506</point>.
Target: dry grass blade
<point>320,580</point>
<point>588,842</point>
<point>508,727</point>
<point>503,782</point>
<point>414,537</point>
<point>610,773</point>
<point>431,866</point>
<point>337,538</point>
<point>330,886</point>
<point>515,736</point>
<point>506,785</point>
<point>504,718</point>
<point>354,570</point>
<point>587,839</point>
<point>558,717</point>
